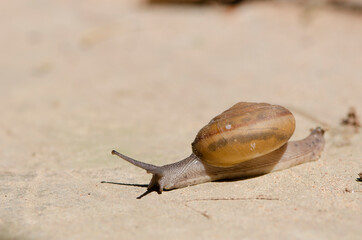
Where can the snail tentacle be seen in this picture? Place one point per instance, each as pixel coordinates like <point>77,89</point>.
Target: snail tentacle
<point>146,166</point>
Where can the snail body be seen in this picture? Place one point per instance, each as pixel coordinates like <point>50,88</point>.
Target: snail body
<point>248,139</point>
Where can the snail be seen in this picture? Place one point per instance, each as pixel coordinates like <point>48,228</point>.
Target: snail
<point>248,139</point>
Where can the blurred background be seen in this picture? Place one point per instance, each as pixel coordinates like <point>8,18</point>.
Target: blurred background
<point>86,75</point>
<point>80,78</point>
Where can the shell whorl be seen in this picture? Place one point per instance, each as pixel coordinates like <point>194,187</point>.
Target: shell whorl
<point>244,131</point>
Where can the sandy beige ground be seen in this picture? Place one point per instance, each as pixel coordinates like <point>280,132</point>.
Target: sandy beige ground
<point>80,78</point>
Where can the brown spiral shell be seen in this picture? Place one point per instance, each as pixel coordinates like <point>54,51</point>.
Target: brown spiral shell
<point>244,131</point>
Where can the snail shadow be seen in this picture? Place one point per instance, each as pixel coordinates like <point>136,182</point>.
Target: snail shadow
<point>236,179</point>
<point>148,191</point>
<point>156,189</point>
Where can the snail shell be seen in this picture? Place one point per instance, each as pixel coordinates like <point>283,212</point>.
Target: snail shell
<point>248,139</point>
<point>243,132</point>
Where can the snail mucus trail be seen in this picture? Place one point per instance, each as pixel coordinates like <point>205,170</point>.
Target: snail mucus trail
<point>248,139</point>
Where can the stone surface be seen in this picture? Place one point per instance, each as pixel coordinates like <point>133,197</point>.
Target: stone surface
<point>80,78</point>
